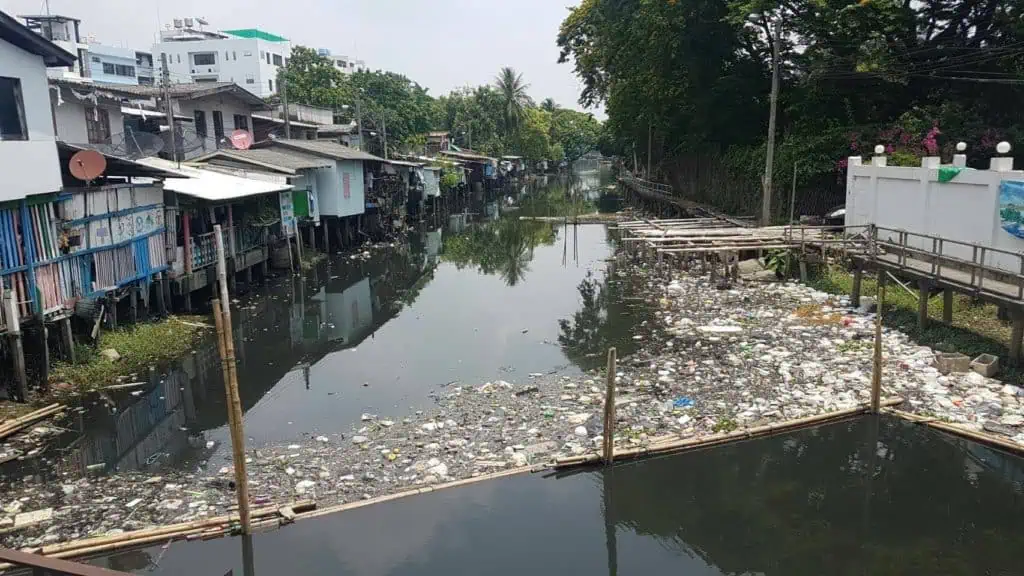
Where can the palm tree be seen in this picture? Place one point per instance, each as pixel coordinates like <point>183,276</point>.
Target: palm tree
<point>510,85</point>
<point>548,105</point>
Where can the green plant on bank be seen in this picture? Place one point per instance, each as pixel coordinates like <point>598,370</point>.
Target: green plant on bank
<point>778,261</point>
<point>725,425</point>
<point>311,258</point>
<point>139,346</point>
<point>976,328</point>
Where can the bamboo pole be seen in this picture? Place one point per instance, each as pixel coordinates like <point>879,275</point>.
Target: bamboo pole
<point>876,369</point>
<point>951,428</point>
<point>231,387</point>
<point>12,426</point>
<point>298,245</point>
<point>725,438</point>
<point>609,409</point>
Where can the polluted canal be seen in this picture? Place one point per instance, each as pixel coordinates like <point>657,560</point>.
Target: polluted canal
<point>476,350</point>
<point>844,498</point>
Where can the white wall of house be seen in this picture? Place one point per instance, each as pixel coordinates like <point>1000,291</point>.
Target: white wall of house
<point>330,189</point>
<point>965,209</point>
<point>29,166</point>
<point>228,106</point>
<point>122,60</point>
<point>70,119</point>
<point>239,60</point>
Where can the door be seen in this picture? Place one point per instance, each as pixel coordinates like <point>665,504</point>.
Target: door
<point>218,126</point>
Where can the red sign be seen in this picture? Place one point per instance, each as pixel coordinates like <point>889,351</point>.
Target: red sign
<point>241,139</point>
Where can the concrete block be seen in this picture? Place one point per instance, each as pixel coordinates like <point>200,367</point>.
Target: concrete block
<point>952,362</point>
<point>986,365</point>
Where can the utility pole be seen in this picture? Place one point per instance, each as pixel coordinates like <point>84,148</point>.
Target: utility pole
<point>282,84</point>
<point>359,122</point>
<point>649,129</point>
<point>165,83</point>
<point>384,131</point>
<point>766,206</point>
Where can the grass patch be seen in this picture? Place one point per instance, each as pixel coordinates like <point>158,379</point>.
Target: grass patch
<point>724,425</point>
<point>140,346</point>
<point>976,328</point>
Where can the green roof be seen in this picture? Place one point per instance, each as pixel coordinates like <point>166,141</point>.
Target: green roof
<point>256,33</point>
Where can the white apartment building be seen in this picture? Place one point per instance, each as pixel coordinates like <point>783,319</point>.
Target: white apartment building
<point>64,32</point>
<point>248,57</point>
<point>343,63</point>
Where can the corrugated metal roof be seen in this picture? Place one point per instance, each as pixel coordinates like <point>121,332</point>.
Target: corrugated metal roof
<point>280,121</point>
<point>324,148</point>
<point>257,34</point>
<point>210,185</point>
<point>279,159</point>
<point>189,91</point>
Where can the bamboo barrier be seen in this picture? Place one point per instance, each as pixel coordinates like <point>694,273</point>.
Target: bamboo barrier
<point>218,526</point>
<point>724,438</point>
<point>17,424</point>
<point>962,431</point>
<point>413,492</point>
<point>876,368</point>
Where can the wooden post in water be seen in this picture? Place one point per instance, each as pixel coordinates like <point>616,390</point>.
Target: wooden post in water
<point>609,409</point>
<point>226,345</point>
<point>298,246</point>
<point>876,369</point>
<point>11,311</point>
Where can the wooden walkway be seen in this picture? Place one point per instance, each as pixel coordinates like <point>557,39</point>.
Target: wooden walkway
<point>711,235</point>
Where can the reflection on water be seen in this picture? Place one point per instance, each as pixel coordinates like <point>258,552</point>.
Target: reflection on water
<point>872,496</point>
<point>466,299</point>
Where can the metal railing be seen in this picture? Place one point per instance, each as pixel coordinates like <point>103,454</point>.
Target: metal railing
<point>204,248</point>
<point>647,186</point>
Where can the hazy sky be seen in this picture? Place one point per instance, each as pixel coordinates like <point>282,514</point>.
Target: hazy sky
<point>442,44</point>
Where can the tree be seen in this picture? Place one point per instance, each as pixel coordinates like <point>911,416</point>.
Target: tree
<point>312,79</point>
<point>548,105</point>
<point>512,88</point>
<point>576,132</point>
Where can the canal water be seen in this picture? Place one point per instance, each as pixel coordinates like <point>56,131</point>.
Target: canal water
<point>869,496</point>
<point>469,299</point>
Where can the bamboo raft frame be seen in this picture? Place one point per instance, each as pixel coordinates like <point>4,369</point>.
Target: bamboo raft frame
<point>16,425</point>
<point>951,428</point>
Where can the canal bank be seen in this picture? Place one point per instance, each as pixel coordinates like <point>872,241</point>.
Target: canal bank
<point>840,499</point>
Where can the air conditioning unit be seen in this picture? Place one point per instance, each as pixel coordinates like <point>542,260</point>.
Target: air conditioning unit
<point>177,23</point>
<point>188,23</point>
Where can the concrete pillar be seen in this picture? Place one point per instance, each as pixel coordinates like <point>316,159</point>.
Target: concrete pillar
<point>133,302</point>
<point>327,234</point>
<point>69,339</point>
<point>161,302</point>
<point>44,376</point>
<point>858,276</point>
<point>111,312</point>
<point>803,270</point>
<point>922,304</point>
<point>947,306</point>
<point>186,230</point>
<point>17,350</point>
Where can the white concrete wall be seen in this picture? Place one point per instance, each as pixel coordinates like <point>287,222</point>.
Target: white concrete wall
<point>232,63</point>
<point>70,120</point>
<point>29,166</point>
<point>966,209</point>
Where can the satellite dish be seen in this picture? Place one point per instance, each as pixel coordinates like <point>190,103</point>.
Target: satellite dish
<point>86,165</point>
<point>241,139</point>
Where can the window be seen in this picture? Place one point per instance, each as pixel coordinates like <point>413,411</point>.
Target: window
<point>97,125</point>
<point>122,70</point>
<point>205,59</point>
<point>12,110</point>
<point>249,79</point>
<point>218,125</point>
<point>285,61</point>
<point>200,123</point>
<point>268,57</point>
<point>246,53</point>
<point>234,55</point>
<point>241,122</point>
<point>96,59</point>
<point>227,55</point>
<point>109,68</point>
<point>278,61</point>
<point>179,58</point>
<point>270,83</point>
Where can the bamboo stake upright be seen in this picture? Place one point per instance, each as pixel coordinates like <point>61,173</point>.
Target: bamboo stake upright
<point>222,317</point>
<point>876,369</point>
<point>609,410</point>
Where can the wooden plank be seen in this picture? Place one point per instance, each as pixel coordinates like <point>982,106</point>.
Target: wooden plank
<point>55,565</point>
